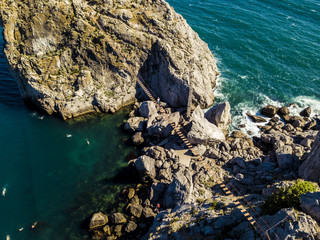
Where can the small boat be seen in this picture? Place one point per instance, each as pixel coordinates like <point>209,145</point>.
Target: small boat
<point>8,237</point>
<point>4,190</point>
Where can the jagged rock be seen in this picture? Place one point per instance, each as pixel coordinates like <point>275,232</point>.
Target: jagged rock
<point>220,116</point>
<point>310,124</point>
<point>238,134</point>
<point>135,124</point>
<point>179,190</point>
<point>98,220</point>
<point>295,225</point>
<point>145,166</point>
<point>202,131</point>
<point>148,213</point>
<point>310,204</point>
<point>306,112</point>
<point>135,200</point>
<point>84,58</point>
<point>309,170</point>
<point>117,230</point>
<point>283,111</point>
<point>135,210</point>
<point>130,227</point>
<point>106,229</point>
<point>157,192</point>
<point>137,138</point>
<point>269,111</point>
<point>256,119</point>
<point>131,193</point>
<point>117,218</point>
<point>159,124</point>
<point>147,109</point>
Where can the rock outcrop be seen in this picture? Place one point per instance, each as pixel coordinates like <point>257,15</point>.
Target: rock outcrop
<point>220,116</point>
<point>309,169</point>
<point>77,56</point>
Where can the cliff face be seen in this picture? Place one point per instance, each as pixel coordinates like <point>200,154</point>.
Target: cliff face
<point>76,56</point>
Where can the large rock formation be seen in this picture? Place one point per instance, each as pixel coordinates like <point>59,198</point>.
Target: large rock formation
<point>309,169</point>
<point>76,56</point>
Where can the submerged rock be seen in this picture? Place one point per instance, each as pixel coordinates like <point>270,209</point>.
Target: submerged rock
<point>75,57</point>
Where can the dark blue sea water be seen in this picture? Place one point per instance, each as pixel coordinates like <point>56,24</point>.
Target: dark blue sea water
<point>267,52</point>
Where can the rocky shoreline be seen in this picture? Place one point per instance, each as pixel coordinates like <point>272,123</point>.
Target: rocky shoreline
<point>184,199</point>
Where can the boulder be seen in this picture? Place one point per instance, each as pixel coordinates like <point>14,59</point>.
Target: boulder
<point>310,204</point>
<point>306,112</point>
<point>135,210</point>
<point>130,227</point>
<point>256,118</point>
<point>159,124</point>
<point>98,220</point>
<point>148,213</point>
<point>283,111</point>
<point>137,138</point>
<point>309,169</point>
<point>310,124</point>
<point>135,124</point>
<point>102,75</point>
<point>299,123</point>
<point>202,131</point>
<point>131,193</point>
<point>269,111</point>
<point>284,156</point>
<point>117,218</point>
<point>147,109</point>
<point>179,191</point>
<point>238,134</point>
<point>157,192</point>
<point>145,166</point>
<point>220,116</point>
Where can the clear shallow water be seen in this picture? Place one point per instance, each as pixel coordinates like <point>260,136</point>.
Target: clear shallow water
<point>43,169</point>
<point>267,52</point>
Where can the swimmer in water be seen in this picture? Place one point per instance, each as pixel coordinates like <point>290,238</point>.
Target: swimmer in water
<point>87,141</point>
<point>20,229</point>
<point>33,226</point>
<point>4,190</point>
<point>68,135</point>
<point>7,237</point>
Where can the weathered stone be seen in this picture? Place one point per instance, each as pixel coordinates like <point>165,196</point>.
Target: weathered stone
<point>98,220</point>
<point>275,187</point>
<point>145,166</point>
<point>283,111</point>
<point>135,124</point>
<point>310,204</point>
<point>106,229</point>
<point>117,230</point>
<point>179,191</point>
<point>148,213</point>
<point>288,127</point>
<point>147,109</point>
<point>307,142</point>
<point>157,192</point>
<point>135,210</point>
<point>306,112</point>
<point>160,124</point>
<point>202,131</point>
<point>299,123</point>
<point>238,134</point>
<point>117,218</point>
<point>256,119</point>
<point>130,227</point>
<point>309,170</point>
<point>310,124</point>
<point>269,111</point>
<point>135,200</point>
<point>220,116</point>
<point>137,138</point>
<point>131,193</point>
<point>284,157</point>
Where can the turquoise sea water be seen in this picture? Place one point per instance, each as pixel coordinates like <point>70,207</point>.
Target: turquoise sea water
<point>267,52</point>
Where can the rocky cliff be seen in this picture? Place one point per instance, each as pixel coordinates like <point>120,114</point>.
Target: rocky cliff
<point>76,56</point>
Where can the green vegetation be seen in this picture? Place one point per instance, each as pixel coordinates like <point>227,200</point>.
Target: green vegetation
<point>213,206</point>
<point>289,197</point>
